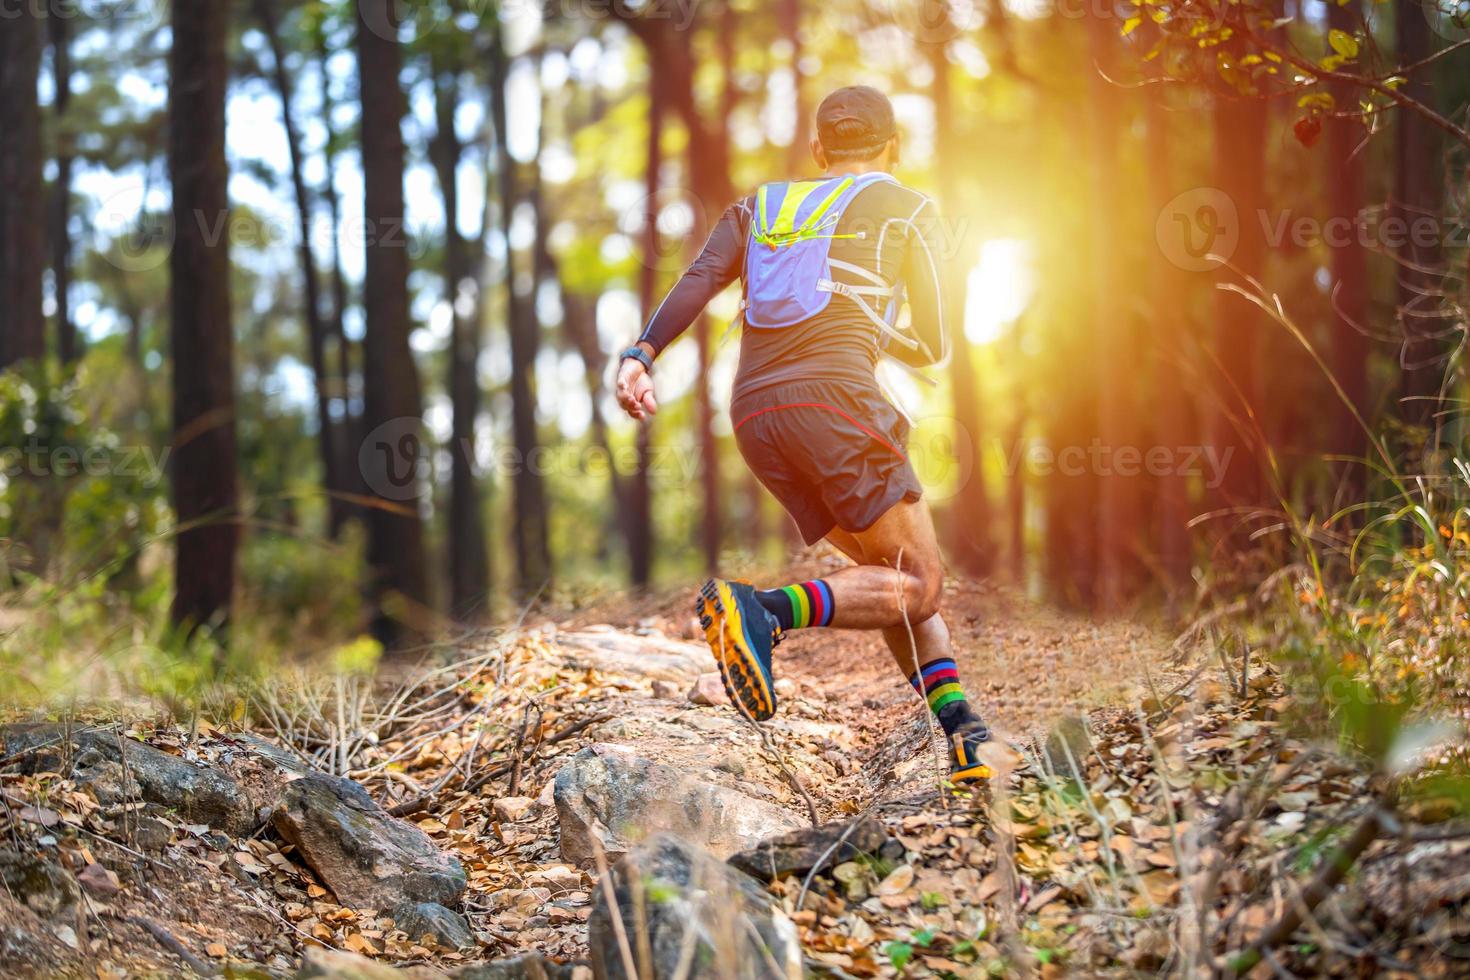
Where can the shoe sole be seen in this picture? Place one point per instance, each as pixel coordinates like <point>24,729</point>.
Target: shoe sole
<point>971,774</point>
<point>740,670</point>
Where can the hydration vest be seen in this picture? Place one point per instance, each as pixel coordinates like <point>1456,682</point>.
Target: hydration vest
<point>788,268</point>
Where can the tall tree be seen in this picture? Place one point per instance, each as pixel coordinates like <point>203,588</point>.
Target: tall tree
<point>799,154</point>
<point>393,401</point>
<point>469,568</point>
<point>1169,293</point>
<point>205,485</point>
<point>329,435</point>
<point>1417,199</point>
<point>66,329</point>
<point>1349,317</point>
<point>532,544</point>
<point>639,511</point>
<point>22,230</point>
<point>969,517</point>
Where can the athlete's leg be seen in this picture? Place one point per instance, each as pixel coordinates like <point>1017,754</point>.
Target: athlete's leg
<point>930,638</point>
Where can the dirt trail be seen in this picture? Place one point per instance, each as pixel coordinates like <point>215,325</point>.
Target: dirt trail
<point>1023,663</point>
<point>849,730</point>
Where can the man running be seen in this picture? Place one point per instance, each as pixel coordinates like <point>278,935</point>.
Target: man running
<point>825,263</point>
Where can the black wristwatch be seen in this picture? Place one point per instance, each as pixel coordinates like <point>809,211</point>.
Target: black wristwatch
<point>640,355</point>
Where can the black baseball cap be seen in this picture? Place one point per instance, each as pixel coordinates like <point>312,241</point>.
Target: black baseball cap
<point>857,117</point>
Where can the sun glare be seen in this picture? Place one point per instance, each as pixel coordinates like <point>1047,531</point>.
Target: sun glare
<point>1000,286</point>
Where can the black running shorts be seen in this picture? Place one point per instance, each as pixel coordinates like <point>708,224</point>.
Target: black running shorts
<point>831,452</point>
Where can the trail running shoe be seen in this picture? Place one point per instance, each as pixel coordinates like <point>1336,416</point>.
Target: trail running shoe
<point>741,634</point>
<point>964,760</point>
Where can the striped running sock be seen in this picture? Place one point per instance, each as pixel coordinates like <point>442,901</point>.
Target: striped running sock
<point>799,606</point>
<point>939,683</point>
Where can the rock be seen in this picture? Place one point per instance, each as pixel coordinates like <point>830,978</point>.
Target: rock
<point>152,834</point>
<point>333,964</point>
<point>512,808</point>
<point>731,927</point>
<point>708,689</point>
<point>608,794</point>
<point>366,857</point>
<point>786,688</point>
<point>653,657</point>
<point>666,690</point>
<point>198,793</point>
<point>527,966</point>
<point>47,889</point>
<point>732,763</point>
<point>446,928</point>
<point>799,851</point>
<point>99,881</point>
<point>1068,736</point>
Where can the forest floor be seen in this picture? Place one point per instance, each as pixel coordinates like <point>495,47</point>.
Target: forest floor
<point>1188,794</point>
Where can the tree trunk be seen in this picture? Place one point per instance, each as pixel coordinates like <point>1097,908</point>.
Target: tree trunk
<point>22,226</point>
<point>1418,199</point>
<point>66,329</point>
<point>969,517</point>
<point>393,404</point>
<point>1240,124</point>
<point>533,559</point>
<point>1120,528</point>
<point>638,518</point>
<point>1170,299</point>
<point>799,154</point>
<point>350,422</point>
<point>329,432</point>
<point>204,460</point>
<point>1349,316</point>
<point>469,570</point>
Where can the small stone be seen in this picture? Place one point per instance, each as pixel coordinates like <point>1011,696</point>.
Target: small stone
<point>153,834</point>
<point>799,851</point>
<point>786,687</point>
<point>897,881</point>
<point>666,690</point>
<point>512,808</point>
<point>733,764</point>
<point>67,935</point>
<point>99,881</point>
<point>708,690</point>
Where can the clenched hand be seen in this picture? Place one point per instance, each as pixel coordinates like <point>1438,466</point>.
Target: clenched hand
<point>635,390</point>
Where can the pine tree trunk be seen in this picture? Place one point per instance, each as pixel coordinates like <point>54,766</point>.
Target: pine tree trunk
<point>533,564</point>
<point>1240,124</point>
<point>1172,414</point>
<point>1348,318</point>
<point>469,570</point>
<point>204,460</point>
<point>638,518</point>
<point>22,225</point>
<point>1418,201</point>
<point>393,403</point>
<point>969,516</point>
<point>329,433</point>
<point>67,348</point>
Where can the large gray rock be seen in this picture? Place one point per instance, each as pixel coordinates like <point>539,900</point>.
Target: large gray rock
<point>448,929</point>
<point>703,919</point>
<point>801,850</point>
<point>366,857</point>
<point>609,796</point>
<point>119,769</point>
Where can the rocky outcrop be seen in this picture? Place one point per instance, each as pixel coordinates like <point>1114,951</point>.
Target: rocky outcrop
<point>331,964</point>
<point>609,796</point>
<point>702,919</point>
<point>527,966</point>
<point>801,850</point>
<point>118,769</point>
<point>654,658</point>
<point>366,857</point>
